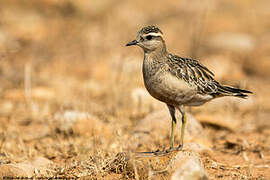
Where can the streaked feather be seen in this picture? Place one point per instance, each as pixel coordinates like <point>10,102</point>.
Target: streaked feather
<point>196,74</point>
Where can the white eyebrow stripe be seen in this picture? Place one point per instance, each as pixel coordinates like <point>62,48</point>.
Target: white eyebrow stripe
<point>155,34</point>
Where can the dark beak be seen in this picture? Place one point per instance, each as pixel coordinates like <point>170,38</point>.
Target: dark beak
<point>134,42</point>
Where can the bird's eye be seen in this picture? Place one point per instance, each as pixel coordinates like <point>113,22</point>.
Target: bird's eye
<point>149,37</point>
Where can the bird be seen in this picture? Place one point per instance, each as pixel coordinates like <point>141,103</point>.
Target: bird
<point>177,81</point>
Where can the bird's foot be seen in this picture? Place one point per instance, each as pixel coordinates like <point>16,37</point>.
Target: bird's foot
<point>179,147</point>
<point>171,149</point>
<point>157,151</point>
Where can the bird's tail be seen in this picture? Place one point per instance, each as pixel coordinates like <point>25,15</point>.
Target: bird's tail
<point>231,91</point>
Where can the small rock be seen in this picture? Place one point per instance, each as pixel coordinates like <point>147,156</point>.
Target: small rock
<point>158,165</point>
<point>189,167</point>
<point>41,165</point>
<point>67,119</point>
<point>39,162</point>
<point>82,123</point>
<point>16,170</point>
<point>27,168</point>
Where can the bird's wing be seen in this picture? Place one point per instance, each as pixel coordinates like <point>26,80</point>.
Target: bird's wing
<point>194,73</point>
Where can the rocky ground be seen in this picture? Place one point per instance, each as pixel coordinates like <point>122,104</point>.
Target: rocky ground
<point>73,103</point>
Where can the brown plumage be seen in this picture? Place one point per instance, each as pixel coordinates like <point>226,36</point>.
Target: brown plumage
<point>194,72</point>
<point>177,81</point>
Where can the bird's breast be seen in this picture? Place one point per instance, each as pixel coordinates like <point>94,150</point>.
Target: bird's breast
<point>167,88</point>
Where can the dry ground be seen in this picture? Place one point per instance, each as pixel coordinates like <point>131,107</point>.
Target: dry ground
<point>64,59</point>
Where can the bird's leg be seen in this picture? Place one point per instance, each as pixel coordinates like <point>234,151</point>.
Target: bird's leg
<point>184,120</point>
<point>172,112</point>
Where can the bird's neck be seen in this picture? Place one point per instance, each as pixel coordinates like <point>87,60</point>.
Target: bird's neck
<point>152,62</point>
<point>158,54</point>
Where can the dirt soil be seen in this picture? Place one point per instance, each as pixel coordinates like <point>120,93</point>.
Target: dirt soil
<point>73,93</point>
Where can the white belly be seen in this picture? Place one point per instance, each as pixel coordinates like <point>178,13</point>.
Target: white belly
<point>169,89</point>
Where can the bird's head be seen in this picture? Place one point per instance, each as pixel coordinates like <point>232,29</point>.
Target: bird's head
<point>150,39</point>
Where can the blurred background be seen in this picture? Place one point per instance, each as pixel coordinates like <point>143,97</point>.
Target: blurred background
<point>71,90</point>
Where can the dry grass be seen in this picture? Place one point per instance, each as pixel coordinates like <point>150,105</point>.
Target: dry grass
<point>69,57</point>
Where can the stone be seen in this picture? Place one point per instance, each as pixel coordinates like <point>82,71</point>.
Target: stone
<point>65,120</point>
<point>159,165</point>
<point>189,165</point>
<point>16,170</point>
<point>39,162</point>
<point>30,168</point>
<point>83,124</point>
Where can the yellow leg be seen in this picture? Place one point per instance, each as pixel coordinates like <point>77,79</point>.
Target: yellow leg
<point>184,120</point>
<point>172,112</point>
<point>172,133</point>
